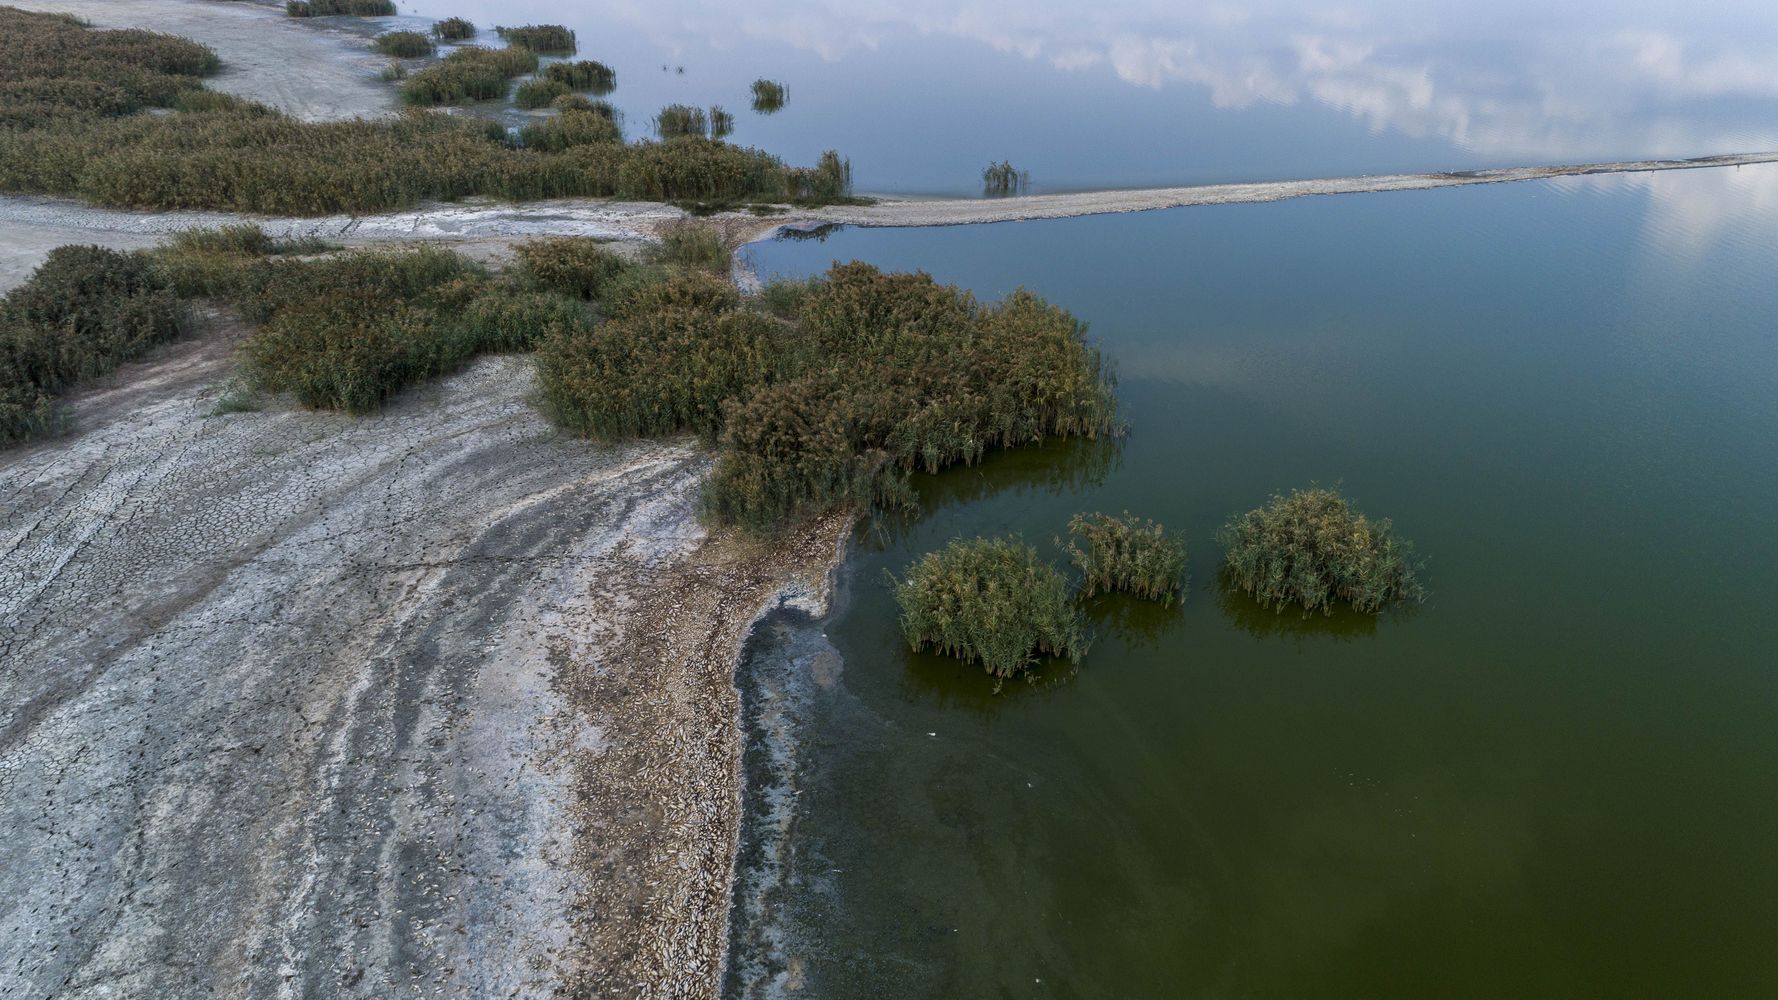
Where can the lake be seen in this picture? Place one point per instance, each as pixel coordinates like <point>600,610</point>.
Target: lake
<point>1554,778</point>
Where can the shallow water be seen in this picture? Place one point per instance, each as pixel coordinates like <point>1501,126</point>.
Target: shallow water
<point>922,95</point>
<point>1555,778</point>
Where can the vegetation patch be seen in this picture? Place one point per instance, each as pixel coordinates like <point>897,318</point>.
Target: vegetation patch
<point>569,129</point>
<point>1311,549</point>
<point>693,245</point>
<point>869,377</point>
<point>769,96</point>
<point>547,39</point>
<point>991,601</point>
<point>580,102</point>
<point>587,74</point>
<point>722,124</point>
<point>404,44</point>
<point>1002,179</point>
<point>539,93</point>
<point>678,121</point>
<point>81,314</point>
<point>350,8</point>
<point>453,29</point>
<point>1126,554</point>
<point>574,266</point>
<point>70,125</point>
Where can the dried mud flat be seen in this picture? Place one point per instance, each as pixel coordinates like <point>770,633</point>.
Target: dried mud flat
<point>436,702</point>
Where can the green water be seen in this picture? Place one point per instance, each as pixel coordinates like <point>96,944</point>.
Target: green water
<point>1558,777</point>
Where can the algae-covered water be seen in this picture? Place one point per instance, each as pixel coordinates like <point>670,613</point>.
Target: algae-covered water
<point>1555,778</point>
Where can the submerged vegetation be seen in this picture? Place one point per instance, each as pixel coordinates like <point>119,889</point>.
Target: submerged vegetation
<point>404,44</point>
<point>586,74</point>
<point>992,601</point>
<point>1126,554</point>
<point>769,96</point>
<point>546,39</point>
<point>453,29</point>
<point>81,314</point>
<point>327,8</point>
<point>1311,549</point>
<point>70,125</point>
<point>1002,179</point>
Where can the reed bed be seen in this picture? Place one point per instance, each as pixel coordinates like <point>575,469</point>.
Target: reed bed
<point>769,96</point>
<point>69,127</point>
<point>544,39</point>
<point>569,129</point>
<point>580,102</point>
<point>1310,549</point>
<point>539,93</point>
<point>1002,179</point>
<point>574,266</point>
<point>587,74</point>
<point>404,44</point>
<point>350,8</point>
<point>992,601</point>
<point>693,245</point>
<point>453,29</point>
<point>83,313</point>
<point>877,376</point>
<point>1126,554</point>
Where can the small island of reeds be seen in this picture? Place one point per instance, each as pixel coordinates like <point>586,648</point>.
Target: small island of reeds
<point>992,601</point>
<point>1127,554</point>
<point>1311,549</point>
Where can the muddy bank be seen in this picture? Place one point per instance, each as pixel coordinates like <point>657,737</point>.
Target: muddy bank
<point>311,70</point>
<point>301,704</point>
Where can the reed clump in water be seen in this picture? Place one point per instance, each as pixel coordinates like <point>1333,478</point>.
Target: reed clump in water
<point>1002,179</point>
<point>351,8</point>
<point>539,93</point>
<point>453,29</point>
<point>586,74</point>
<point>80,315</point>
<point>722,124</point>
<point>544,39</point>
<point>769,96</point>
<point>69,126</point>
<point>679,121</point>
<point>404,44</point>
<point>1126,554</point>
<point>1310,549</point>
<point>992,601</point>
<point>468,74</point>
<point>580,102</point>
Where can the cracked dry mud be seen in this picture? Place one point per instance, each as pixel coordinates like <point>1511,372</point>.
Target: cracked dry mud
<point>435,702</point>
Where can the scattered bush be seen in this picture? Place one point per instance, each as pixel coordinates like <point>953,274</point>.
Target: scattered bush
<point>67,127</point>
<point>539,93</point>
<point>81,314</point>
<point>453,29</point>
<point>992,601</point>
<point>693,245</point>
<point>546,39</point>
<point>1002,179</point>
<point>587,74</point>
<point>352,8</point>
<point>1310,549</point>
<point>1126,554</point>
<point>769,96</point>
<point>404,44</point>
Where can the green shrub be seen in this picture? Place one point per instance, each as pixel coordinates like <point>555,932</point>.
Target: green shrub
<point>547,39</point>
<point>569,129</point>
<point>453,29</point>
<point>992,601</point>
<point>353,8</point>
<point>693,245</point>
<point>769,96</point>
<point>678,121</point>
<point>1311,549</point>
<point>1126,554</point>
<point>587,74</point>
<point>574,266</point>
<point>404,44</point>
<point>538,93</point>
<point>81,314</point>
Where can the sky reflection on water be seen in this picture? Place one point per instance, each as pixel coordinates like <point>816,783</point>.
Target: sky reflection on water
<point>922,94</point>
